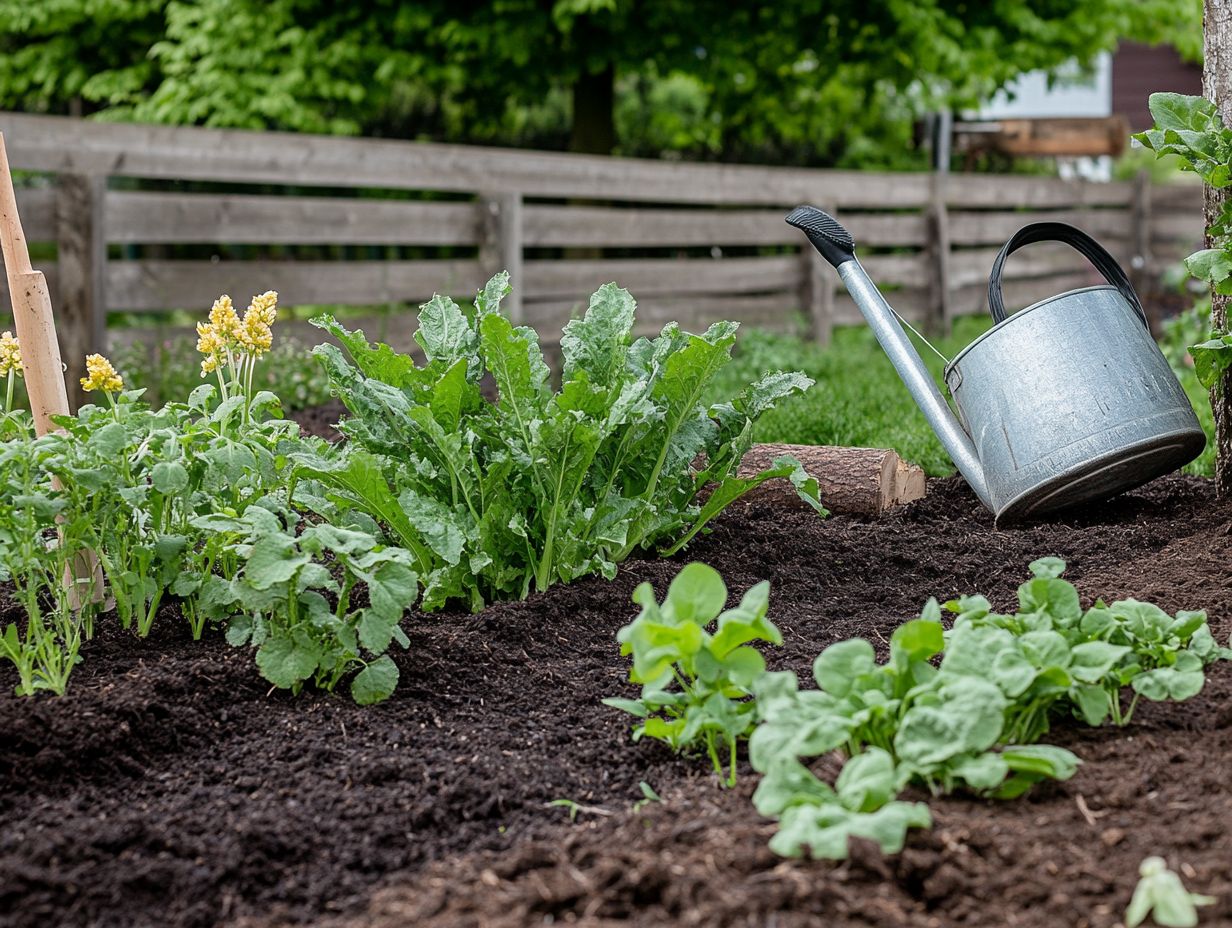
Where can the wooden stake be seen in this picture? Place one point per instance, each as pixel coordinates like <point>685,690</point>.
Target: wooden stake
<point>32,315</point>
<point>40,350</point>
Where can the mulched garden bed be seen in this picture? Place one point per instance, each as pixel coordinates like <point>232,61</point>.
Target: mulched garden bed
<point>172,787</point>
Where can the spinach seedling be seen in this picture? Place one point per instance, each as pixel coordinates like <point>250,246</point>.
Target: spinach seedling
<point>1161,895</point>
<point>695,682</point>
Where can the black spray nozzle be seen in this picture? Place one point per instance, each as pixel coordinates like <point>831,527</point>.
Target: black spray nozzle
<point>833,241</point>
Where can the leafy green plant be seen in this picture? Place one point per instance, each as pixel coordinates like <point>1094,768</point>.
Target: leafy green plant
<point>1191,128</point>
<point>962,708</point>
<point>695,682</point>
<point>539,487</point>
<point>302,619</point>
<point>40,536</point>
<point>1161,896</point>
<point>816,818</point>
<point>1089,657</point>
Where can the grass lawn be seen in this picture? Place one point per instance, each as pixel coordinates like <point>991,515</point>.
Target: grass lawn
<point>858,399</point>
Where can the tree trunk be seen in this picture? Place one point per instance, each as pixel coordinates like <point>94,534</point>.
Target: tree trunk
<point>594,124</point>
<point>1217,87</point>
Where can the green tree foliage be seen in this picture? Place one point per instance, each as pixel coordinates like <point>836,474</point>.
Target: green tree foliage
<point>793,80</point>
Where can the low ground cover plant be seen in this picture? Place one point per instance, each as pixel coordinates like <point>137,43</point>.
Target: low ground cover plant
<point>695,682</point>
<point>300,614</point>
<point>964,707</point>
<point>496,498</point>
<point>957,708</point>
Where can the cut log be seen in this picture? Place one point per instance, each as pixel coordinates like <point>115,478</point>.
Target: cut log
<point>853,481</point>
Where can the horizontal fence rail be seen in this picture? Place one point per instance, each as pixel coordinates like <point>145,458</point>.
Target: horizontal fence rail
<point>143,219</point>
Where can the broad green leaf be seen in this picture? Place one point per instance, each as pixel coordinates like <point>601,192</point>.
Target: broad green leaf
<point>392,589</point>
<point>823,829</point>
<point>981,772</point>
<point>288,659</point>
<point>358,480</point>
<point>840,665</point>
<point>1211,359</point>
<point>273,559</point>
<point>379,363</point>
<point>169,477</point>
<point>1167,683</point>
<point>444,333</point>
<point>1211,264</point>
<point>109,441</point>
<point>488,299</point>
<point>598,342</point>
<point>1093,660</point>
<point>867,781</point>
<point>1092,703</point>
<point>375,631</point>
<point>436,523</point>
<point>696,594</point>
<point>376,682</point>
<point>1181,111</point>
<point>632,706</point>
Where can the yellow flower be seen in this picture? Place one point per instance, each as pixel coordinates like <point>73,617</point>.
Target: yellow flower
<point>223,319</point>
<point>255,333</point>
<point>101,376</point>
<point>10,355</point>
<point>210,344</point>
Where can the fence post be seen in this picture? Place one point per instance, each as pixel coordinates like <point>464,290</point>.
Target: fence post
<point>937,257</point>
<point>500,244</point>
<point>1141,262</point>
<point>817,289</point>
<point>80,268</point>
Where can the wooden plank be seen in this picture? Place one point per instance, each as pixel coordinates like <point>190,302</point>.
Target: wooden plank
<point>142,217</point>
<point>37,208</point>
<point>81,310</point>
<point>646,277</point>
<point>1187,227</point>
<point>157,284</point>
<point>1181,197</point>
<point>972,299</point>
<point>911,303</point>
<point>886,230</point>
<point>898,270</point>
<point>501,245</point>
<point>600,227</point>
<point>937,259</point>
<point>995,228</point>
<point>817,293</point>
<point>972,266</point>
<point>60,144</point>
<point>1001,190</point>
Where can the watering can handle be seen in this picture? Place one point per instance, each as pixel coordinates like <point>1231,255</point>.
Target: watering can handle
<point>1062,232</point>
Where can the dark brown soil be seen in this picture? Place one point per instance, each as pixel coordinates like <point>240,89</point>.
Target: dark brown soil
<point>171,787</point>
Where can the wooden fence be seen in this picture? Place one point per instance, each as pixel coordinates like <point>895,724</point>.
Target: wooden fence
<point>391,222</point>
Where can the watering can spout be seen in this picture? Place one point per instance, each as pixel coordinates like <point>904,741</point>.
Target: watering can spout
<point>836,245</point>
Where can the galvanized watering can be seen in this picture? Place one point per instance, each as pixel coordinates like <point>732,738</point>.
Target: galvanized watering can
<point>1066,401</point>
